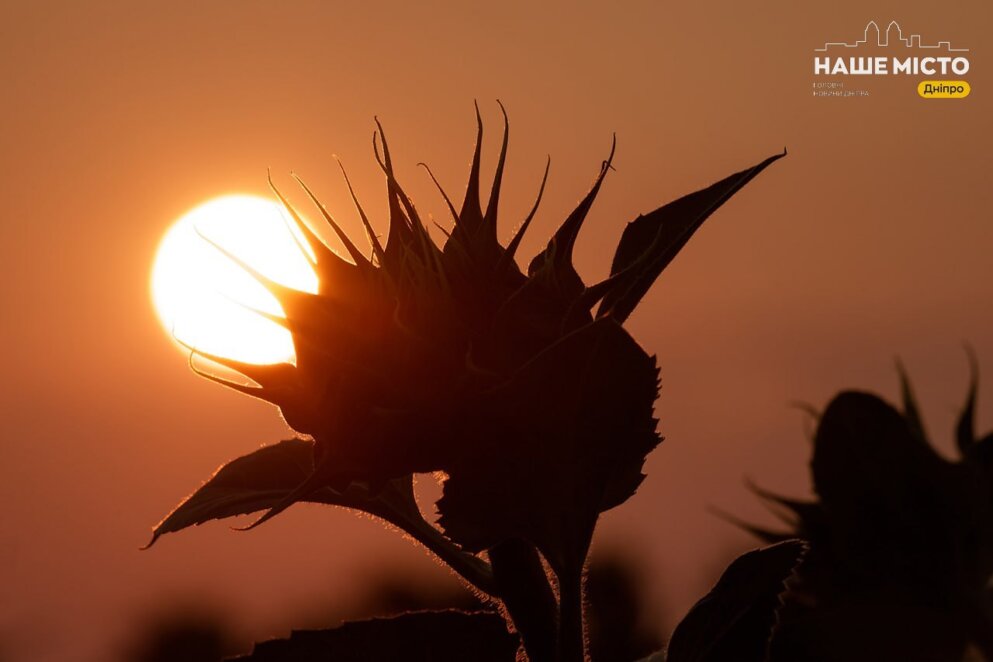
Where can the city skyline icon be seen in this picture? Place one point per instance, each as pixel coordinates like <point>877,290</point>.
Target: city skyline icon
<point>893,35</point>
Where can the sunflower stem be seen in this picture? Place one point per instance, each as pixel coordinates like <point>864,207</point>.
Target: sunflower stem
<point>400,509</point>
<point>572,637</point>
<point>527,597</point>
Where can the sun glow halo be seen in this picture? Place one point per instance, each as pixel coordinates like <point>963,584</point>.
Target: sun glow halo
<point>206,300</point>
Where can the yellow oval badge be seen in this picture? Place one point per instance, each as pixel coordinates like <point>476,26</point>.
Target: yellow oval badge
<point>943,89</point>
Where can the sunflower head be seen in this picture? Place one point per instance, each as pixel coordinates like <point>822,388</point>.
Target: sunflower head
<point>901,538</point>
<point>520,384</point>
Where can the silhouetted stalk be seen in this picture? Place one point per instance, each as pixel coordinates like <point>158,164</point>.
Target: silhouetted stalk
<point>403,513</point>
<point>472,569</point>
<point>572,639</point>
<point>527,596</point>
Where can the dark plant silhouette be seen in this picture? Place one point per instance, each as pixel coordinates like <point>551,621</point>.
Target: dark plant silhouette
<point>617,616</point>
<point>521,386</point>
<point>181,635</point>
<point>901,539</point>
<point>620,624</point>
<point>737,620</point>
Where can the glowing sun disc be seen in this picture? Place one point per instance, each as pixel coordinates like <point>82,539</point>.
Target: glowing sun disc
<point>206,300</point>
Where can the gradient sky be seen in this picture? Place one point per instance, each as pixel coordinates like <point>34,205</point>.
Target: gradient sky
<point>871,240</point>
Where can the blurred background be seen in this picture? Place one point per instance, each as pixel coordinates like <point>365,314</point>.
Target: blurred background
<point>870,241</point>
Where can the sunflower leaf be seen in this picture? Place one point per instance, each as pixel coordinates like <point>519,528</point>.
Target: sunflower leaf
<point>436,636</point>
<point>257,481</point>
<point>650,242</point>
<point>735,621</point>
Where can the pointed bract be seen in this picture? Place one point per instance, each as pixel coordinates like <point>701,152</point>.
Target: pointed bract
<point>471,215</point>
<point>650,242</point>
<point>555,262</point>
<point>490,217</point>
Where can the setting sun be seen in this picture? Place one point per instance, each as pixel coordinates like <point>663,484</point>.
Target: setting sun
<point>206,300</point>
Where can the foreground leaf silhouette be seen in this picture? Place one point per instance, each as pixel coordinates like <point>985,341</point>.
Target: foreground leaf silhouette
<point>248,484</point>
<point>425,358</point>
<point>736,620</point>
<point>264,478</point>
<point>428,636</point>
<point>901,540</point>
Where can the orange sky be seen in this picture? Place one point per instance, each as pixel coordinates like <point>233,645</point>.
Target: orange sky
<point>871,240</point>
